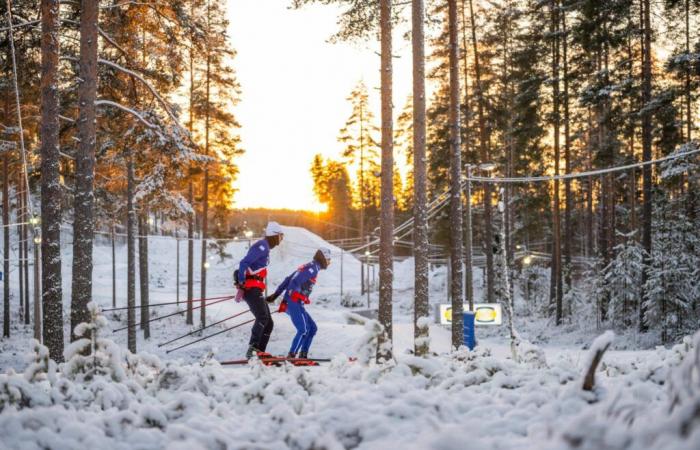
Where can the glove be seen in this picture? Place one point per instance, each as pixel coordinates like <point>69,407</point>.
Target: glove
<point>236,283</point>
<point>283,307</point>
<point>271,298</point>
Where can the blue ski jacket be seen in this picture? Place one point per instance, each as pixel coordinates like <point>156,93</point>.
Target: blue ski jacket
<point>298,285</point>
<point>257,259</point>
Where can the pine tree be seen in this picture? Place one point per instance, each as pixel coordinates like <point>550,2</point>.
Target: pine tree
<point>52,294</point>
<point>623,278</point>
<point>84,213</point>
<point>358,136</point>
<point>332,188</point>
<point>456,246</point>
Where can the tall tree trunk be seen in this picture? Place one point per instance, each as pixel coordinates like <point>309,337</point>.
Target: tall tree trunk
<point>456,244</point>
<point>190,193</point>
<point>143,271</point>
<point>114,271</point>
<point>6,244</point>
<point>556,232</point>
<point>20,241</point>
<point>362,204</point>
<point>25,249</point>
<point>190,253</point>
<point>688,93</point>
<point>6,223</point>
<point>484,155</point>
<point>52,295</point>
<point>130,253</point>
<point>205,187</point>
<point>646,155</point>
<point>469,288</point>
<point>420,217</point>
<point>84,203</point>
<point>568,198</point>
<point>590,238</point>
<point>386,245</point>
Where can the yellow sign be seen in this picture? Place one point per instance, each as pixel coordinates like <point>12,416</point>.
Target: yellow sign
<point>484,314</point>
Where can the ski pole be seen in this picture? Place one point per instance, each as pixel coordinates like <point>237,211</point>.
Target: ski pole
<point>163,304</point>
<point>202,329</point>
<point>169,315</point>
<point>212,335</point>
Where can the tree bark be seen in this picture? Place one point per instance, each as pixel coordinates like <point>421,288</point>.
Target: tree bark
<point>190,193</point>
<point>484,155</point>
<point>386,245</point>
<point>6,244</point>
<point>646,155</point>
<point>568,198</point>
<point>456,243</point>
<point>143,272</point>
<point>469,288</point>
<point>420,218</point>
<point>20,243</point>
<point>131,253</point>
<point>556,213</point>
<point>52,295</point>
<point>84,202</point>
<point>25,250</point>
<point>688,93</point>
<point>114,271</point>
<point>205,188</point>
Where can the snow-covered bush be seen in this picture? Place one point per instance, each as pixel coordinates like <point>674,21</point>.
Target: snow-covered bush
<point>623,281</point>
<point>92,355</point>
<point>40,367</point>
<point>672,288</point>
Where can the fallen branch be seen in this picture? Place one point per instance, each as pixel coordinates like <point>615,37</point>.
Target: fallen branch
<point>595,356</point>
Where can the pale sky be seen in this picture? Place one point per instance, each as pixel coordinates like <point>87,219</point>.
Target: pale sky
<point>295,86</point>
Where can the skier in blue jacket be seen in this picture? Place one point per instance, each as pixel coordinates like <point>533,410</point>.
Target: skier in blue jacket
<point>296,288</point>
<point>250,277</point>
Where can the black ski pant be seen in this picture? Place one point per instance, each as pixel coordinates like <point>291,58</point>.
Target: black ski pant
<point>262,328</point>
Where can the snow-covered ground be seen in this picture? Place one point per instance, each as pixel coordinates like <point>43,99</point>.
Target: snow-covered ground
<point>464,400</point>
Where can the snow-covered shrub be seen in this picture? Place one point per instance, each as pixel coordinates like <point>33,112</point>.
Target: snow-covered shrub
<point>423,324</point>
<point>29,389</point>
<point>366,346</point>
<point>534,285</point>
<point>635,416</point>
<point>623,281</point>
<point>530,354</point>
<point>350,301</point>
<point>672,285</point>
<point>91,355</point>
<point>40,366</point>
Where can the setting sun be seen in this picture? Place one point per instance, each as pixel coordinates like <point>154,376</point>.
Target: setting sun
<point>294,96</point>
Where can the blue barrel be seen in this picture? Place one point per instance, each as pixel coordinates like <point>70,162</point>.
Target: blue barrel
<point>469,336</point>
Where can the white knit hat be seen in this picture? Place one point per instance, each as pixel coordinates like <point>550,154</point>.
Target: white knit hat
<point>326,252</point>
<point>273,229</point>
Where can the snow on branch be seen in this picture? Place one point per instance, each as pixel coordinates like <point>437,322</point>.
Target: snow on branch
<point>126,109</point>
<point>155,93</point>
<point>111,41</point>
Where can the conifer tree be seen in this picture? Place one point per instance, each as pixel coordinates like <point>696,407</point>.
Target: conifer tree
<point>358,137</point>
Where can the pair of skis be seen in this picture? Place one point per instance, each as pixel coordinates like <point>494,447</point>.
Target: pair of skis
<point>278,361</point>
